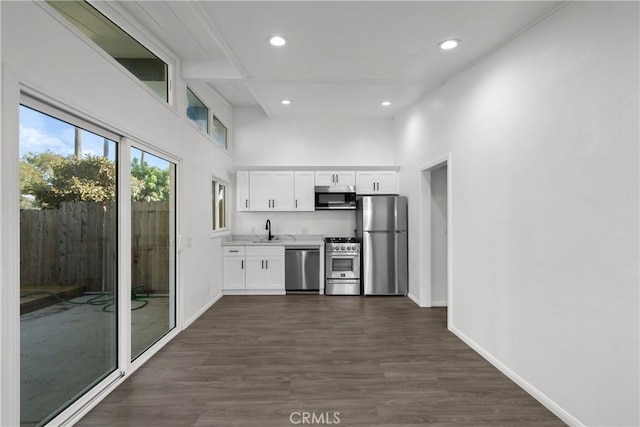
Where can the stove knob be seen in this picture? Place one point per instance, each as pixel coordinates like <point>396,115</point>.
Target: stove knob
<point>349,248</point>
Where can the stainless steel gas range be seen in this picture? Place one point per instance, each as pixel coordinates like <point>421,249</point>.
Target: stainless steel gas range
<point>342,265</point>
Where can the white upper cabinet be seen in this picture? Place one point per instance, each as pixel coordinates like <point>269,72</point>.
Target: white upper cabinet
<point>304,191</point>
<point>242,191</point>
<point>282,191</point>
<point>376,182</point>
<point>263,191</point>
<point>271,191</point>
<point>326,178</point>
<point>260,191</point>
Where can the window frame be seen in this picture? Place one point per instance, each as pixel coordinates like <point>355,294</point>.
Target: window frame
<point>192,122</point>
<point>214,119</point>
<point>117,16</point>
<point>215,229</point>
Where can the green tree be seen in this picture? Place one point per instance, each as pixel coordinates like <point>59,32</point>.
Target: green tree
<point>149,183</point>
<point>92,178</point>
<point>48,179</point>
<point>35,171</point>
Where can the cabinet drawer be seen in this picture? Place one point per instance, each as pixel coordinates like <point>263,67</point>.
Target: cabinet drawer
<point>265,250</point>
<point>233,250</point>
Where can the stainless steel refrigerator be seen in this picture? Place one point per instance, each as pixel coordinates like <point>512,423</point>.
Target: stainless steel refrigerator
<point>381,225</point>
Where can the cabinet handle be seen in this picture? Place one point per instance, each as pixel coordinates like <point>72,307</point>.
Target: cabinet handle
<point>262,265</point>
<point>246,203</point>
<point>242,264</point>
<point>267,263</point>
<point>234,251</point>
<point>374,186</point>
<point>274,204</point>
<point>296,203</point>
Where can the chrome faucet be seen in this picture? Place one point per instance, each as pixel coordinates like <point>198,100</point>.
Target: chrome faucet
<point>268,227</point>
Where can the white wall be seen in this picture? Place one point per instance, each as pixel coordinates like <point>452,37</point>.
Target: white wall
<point>544,141</point>
<point>264,141</point>
<point>311,141</point>
<point>45,55</point>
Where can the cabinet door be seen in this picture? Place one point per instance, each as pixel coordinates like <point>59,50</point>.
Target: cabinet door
<point>346,178</point>
<point>325,178</point>
<point>365,182</point>
<point>305,198</point>
<point>260,191</point>
<point>242,191</point>
<point>255,272</point>
<point>387,182</point>
<point>233,273</point>
<point>274,273</point>
<point>282,191</point>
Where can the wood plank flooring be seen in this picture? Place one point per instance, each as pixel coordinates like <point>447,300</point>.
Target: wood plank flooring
<point>266,360</point>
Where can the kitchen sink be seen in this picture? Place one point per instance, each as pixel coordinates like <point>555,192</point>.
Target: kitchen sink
<point>266,242</point>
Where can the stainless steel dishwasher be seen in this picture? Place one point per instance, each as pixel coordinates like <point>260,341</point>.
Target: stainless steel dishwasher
<point>302,270</point>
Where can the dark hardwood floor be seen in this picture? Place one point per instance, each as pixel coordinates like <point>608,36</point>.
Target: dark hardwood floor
<point>348,361</point>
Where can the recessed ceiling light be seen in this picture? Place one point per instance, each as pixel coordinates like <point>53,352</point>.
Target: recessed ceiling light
<point>449,44</point>
<point>277,40</point>
<point>385,103</point>
<point>285,102</point>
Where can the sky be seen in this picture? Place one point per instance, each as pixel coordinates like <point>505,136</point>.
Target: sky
<point>40,132</point>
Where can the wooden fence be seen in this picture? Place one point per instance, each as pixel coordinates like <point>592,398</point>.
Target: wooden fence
<point>77,245</point>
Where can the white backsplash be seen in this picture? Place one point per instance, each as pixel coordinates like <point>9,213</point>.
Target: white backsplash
<point>328,223</point>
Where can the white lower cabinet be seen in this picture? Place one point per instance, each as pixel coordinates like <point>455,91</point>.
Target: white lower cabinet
<point>259,269</point>
<point>234,276</point>
<point>234,267</point>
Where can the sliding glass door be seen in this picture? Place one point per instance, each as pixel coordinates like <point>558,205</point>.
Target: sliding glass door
<point>68,260</point>
<point>153,249</point>
<point>74,335</point>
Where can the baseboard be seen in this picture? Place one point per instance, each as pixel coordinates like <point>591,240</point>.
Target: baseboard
<point>413,298</point>
<point>534,392</point>
<point>439,304</point>
<point>202,310</point>
<point>253,292</point>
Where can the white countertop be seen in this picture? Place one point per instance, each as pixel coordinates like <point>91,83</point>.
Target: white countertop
<point>280,240</point>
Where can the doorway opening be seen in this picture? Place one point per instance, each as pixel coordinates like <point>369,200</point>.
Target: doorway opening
<point>435,242</point>
<point>439,232</point>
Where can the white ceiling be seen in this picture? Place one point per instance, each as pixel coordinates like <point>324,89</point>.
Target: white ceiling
<point>342,57</point>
